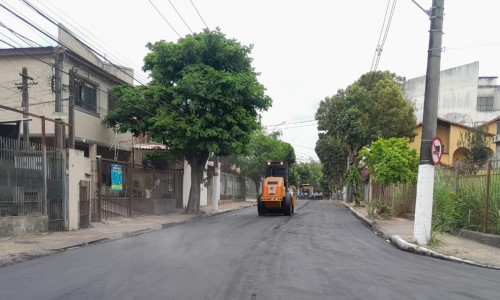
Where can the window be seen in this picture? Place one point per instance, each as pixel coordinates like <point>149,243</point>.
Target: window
<point>485,103</point>
<point>87,97</point>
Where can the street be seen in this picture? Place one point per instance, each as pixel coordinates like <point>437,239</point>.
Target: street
<point>321,252</point>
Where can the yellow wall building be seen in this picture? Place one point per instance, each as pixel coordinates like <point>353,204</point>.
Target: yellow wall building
<point>449,133</point>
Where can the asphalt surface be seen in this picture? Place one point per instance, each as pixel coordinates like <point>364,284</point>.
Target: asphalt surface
<point>322,252</point>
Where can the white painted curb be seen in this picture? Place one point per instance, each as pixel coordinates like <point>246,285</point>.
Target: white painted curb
<point>400,243</point>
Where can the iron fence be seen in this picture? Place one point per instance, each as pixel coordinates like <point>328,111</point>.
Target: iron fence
<point>143,191</point>
<point>21,178</point>
<point>32,181</point>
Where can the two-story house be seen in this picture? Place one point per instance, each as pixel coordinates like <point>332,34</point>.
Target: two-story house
<point>94,77</point>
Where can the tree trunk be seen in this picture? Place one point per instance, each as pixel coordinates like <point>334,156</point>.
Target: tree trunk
<point>197,169</point>
<point>257,185</point>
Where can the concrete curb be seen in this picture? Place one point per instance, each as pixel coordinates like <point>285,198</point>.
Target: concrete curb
<point>401,244</point>
<point>359,215</point>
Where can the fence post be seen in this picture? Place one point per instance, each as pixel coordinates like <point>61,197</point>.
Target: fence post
<point>457,173</point>
<point>99,179</point>
<point>44,178</point>
<point>487,202</point>
<point>130,179</point>
<point>64,189</point>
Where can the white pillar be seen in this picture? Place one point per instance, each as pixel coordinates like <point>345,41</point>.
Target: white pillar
<point>216,191</point>
<point>423,208</point>
<point>186,184</point>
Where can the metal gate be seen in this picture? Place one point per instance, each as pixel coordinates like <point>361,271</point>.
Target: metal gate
<point>142,191</point>
<point>56,180</point>
<point>84,203</point>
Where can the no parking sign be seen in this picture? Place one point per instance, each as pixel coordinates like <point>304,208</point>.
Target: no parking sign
<point>436,150</point>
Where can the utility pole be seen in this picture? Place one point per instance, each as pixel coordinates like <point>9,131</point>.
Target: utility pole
<point>58,138</point>
<point>425,182</point>
<point>71,108</point>
<point>23,86</point>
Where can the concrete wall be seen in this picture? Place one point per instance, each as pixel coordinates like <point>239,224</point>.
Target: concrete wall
<point>457,93</point>
<point>67,39</point>
<point>186,187</point>
<point>23,225</point>
<point>79,168</point>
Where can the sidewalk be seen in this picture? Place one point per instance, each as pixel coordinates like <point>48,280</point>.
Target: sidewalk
<point>450,247</point>
<point>14,250</point>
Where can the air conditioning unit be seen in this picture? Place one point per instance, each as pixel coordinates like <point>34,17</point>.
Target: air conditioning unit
<point>496,139</point>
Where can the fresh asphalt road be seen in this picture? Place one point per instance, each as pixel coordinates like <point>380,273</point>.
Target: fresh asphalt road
<point>322,252</point>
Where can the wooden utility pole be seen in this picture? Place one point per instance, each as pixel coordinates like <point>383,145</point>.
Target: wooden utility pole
<point>71,108</point>
<point>58,91</point>
<point>23,86</point>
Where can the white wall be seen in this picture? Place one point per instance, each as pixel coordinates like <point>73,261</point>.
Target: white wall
<point>457,94</point>
<point>186,187</point>
<point>78,169</point>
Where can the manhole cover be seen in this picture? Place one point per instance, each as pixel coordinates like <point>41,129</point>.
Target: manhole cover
<point>26,242</point>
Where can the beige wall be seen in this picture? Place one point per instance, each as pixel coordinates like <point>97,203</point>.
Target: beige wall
<point>88,126</point>
<point>450,137</point>
<point>78,169</point>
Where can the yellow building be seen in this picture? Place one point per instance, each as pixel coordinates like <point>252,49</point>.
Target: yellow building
<point>449,133</point>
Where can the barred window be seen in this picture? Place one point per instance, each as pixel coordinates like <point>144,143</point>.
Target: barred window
<point>87,97</point>
<point>485,103</point>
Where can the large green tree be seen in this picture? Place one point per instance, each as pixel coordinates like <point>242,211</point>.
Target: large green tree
<point>263,148</point>
<point>372,107</point>
<point>333,155</point>
<point>204,97</point>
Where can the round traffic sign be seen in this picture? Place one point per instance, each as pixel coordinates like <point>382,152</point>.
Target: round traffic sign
<point>436,150</point>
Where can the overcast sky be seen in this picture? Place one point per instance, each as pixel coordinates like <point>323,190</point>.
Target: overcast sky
<point>304,50</point>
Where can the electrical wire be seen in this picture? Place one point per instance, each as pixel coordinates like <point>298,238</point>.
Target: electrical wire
<point>20,36</point>
<point>382,39</point>
<point>87,36</point>
<point>165,19</point>
<point>194,6</point>
<point>175,9</point>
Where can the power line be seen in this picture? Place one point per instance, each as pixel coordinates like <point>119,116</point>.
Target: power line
<point>102,48</point>
<point>20,36</point>
<point>290,123</point>
<point>159,12</point>
<point>194,6</point>
<point>180,16</point>
<point>383,35</point>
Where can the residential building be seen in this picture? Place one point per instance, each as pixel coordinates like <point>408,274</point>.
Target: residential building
<point>464,96</point>
<point>94,78</point>
<point>450,134</point>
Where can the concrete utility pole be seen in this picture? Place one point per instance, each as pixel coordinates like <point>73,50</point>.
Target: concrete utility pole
<point>58,138</point>
<point>425,182</point>
<point>24,87</point>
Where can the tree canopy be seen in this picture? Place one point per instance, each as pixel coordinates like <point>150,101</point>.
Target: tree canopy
<point>204,97</point>
<point>263,148</point>
<point>372,107</point>
<point>391,161</point>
